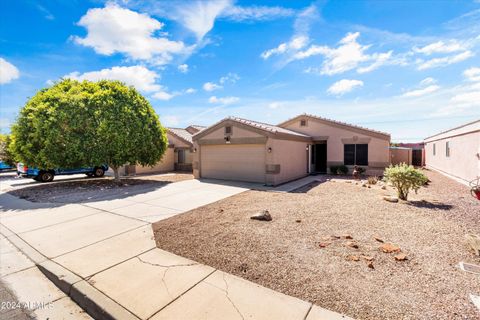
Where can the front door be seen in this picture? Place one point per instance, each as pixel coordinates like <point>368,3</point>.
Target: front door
<point>320,158</point>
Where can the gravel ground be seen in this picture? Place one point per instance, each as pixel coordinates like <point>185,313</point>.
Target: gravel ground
<point>298,253</point>
<point>70,191</point>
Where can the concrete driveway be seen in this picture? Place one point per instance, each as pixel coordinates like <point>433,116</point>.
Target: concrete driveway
<point>103,254</point>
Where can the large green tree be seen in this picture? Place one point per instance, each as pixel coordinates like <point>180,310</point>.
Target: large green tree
<point>5,155</point>
<point>73,124</point>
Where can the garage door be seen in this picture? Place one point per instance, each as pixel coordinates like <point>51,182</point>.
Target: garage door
<point>243,162</point>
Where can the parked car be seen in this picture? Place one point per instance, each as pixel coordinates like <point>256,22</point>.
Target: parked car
<point>5,167</point>
<point>43,175</point>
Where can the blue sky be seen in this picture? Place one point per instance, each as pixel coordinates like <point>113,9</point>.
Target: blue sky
<point>410,68</point>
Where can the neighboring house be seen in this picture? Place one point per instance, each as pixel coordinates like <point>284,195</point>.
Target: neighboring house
<point>455,152</point>
<point>177,157</point>
<point>245,150</point>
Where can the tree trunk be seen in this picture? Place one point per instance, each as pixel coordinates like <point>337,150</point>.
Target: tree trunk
<point>116,174</point>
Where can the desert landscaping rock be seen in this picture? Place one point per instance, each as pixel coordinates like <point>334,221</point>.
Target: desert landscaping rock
<point>389,248</point>
<point>401,257</point>
<point>286,256</point>
<point>378,239</point>
<point>262,216</point>
<point>351,244</point>
<point>390,199</point>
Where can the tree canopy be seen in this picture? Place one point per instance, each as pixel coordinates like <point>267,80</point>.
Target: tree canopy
<point>75,124</point>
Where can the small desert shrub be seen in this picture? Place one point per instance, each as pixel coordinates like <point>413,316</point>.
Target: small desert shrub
<point>404,178</point>
<point>372,180</point>
<point>340,170</point>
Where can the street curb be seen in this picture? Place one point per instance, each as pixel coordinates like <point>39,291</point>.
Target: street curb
<point>97,304</point>
<point>60,276</point>
<point>24,247</point>
<point>91,300</point>
<point>94,302</point>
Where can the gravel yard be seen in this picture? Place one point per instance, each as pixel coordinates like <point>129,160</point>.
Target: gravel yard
<point>310,249</point>
<point>91,189</point>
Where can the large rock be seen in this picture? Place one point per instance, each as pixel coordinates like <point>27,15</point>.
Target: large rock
<point>262,216</point>
<point>390,199</point>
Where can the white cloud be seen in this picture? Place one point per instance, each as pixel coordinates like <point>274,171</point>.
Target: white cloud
<point>229,78</point>
<point>427,81</point>
<point>224,100</point>
<point>343,86</point>
<point>199,16</point>
<point>441,47</point>
<point>190,91</point>
<point>117,30</point>
<point>444,61</point>
<point>379,59</point>
<point>467,98</point>
<point>274,105</point>
<point>296,43</point>
<point>163,95</point>
<point>183,68</point>
<point>8,72</point>
<point>261,13</point>
<point>138,76</point>
<point>169,121</point>
<point>426,86</point>
<point>347,56</point>
<point>472,74</point>
<point>421,92</point>
<point>210,86</point>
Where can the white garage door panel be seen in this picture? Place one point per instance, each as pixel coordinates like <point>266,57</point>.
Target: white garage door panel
<point>243,162</point>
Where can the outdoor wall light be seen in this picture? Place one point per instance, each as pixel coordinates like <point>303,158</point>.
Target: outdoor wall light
<point>194,150</point>
<point>269,150</point>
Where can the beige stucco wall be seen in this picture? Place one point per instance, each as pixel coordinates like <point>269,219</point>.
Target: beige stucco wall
<point>290,156</point>
<point>464,160</point>
<point>398,156</point>
<point>164,165</point>
<point>178,143</point>
<point>337,136</point>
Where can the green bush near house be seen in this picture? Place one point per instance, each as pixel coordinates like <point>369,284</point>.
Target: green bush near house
<point>404,178</point>
<point>339,170</point>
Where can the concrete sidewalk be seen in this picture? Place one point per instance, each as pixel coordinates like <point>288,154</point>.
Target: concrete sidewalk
<point>103,255</point>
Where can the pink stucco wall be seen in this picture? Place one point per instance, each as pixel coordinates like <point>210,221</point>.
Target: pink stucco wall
<point>464,160</point>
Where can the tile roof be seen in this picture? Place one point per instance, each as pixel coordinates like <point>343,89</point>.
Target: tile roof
<point>182,134</point>
<point>267,127</point>
<point>198,127</point>
<point>336,122</point>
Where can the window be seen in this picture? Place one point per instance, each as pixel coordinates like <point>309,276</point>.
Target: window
<point>181,156</point>
<point>434,149</point>
<point>355,154</point>
<point>447,148</point>
<point>303,123</point>
<point>228,130</point>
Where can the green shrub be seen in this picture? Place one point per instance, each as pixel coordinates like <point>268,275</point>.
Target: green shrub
<point>342,169</point>
<point>334,169</point>
<point>404,178</point>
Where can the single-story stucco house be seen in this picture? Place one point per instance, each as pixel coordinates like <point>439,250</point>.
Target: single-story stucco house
<point>177,157</point>
<point>455,152</point>
<point>246,150</point>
